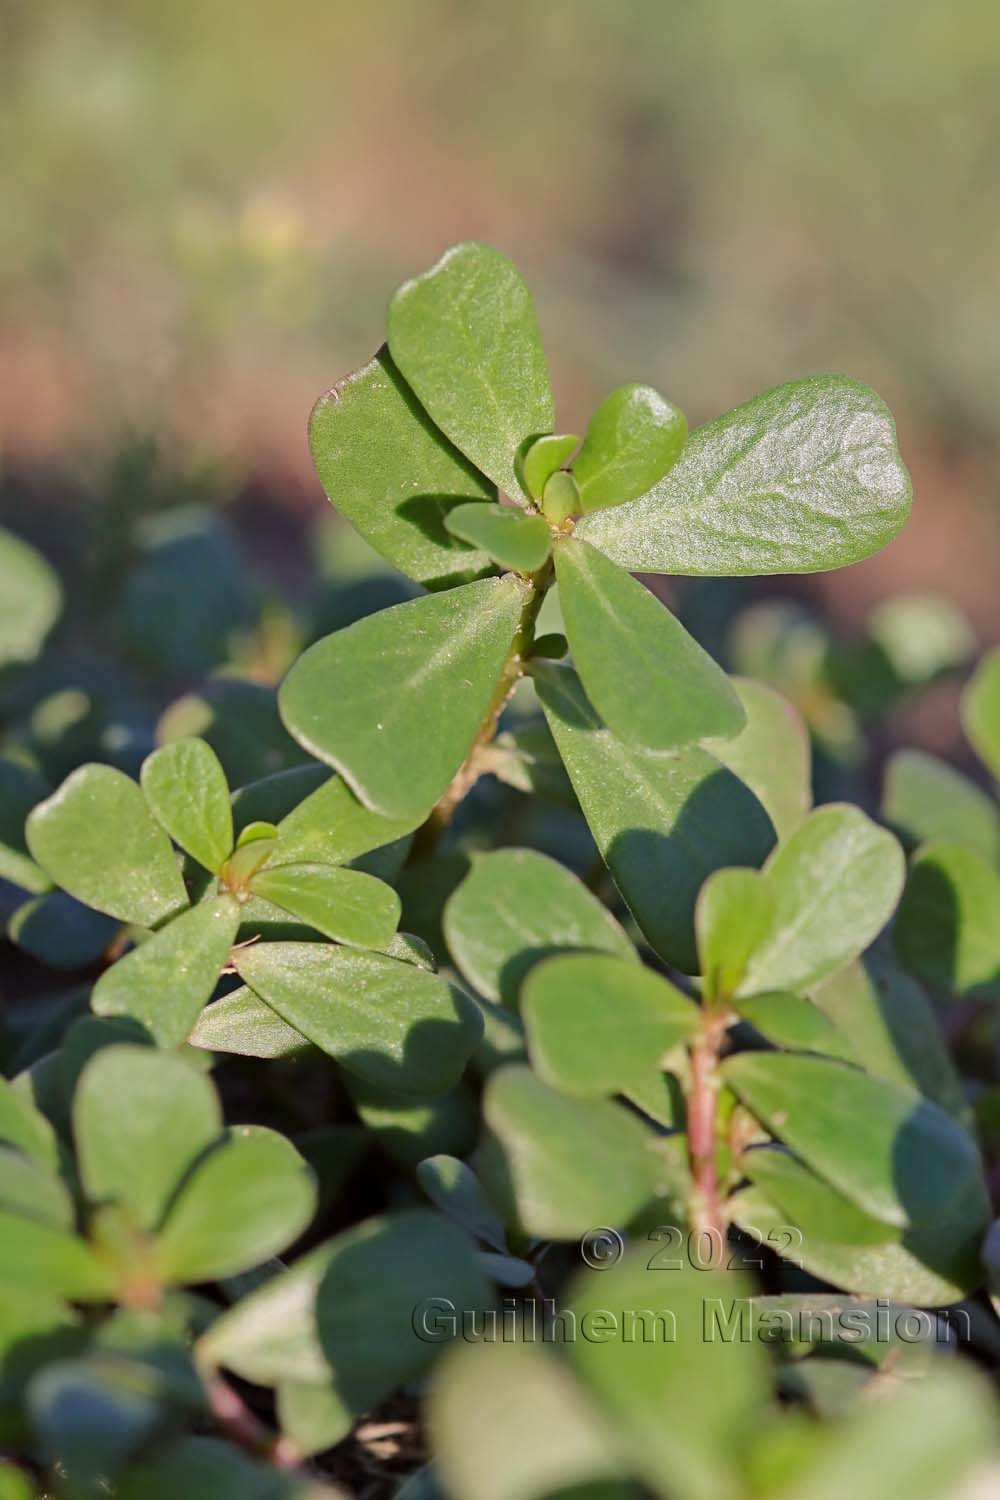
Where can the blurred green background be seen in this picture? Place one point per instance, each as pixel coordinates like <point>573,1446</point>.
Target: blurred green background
<point>206,206</point>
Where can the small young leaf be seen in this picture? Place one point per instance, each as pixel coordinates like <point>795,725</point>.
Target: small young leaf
<point>981,711</point>
<point>947,930</point>
<point>454,1188</point>
<point>96,838</point>
<point>344,905</point>
<point>561,498</point>
<point>187,792</point>
<point>771,754</point>
<point>514,540</point>
<point>634,437</point>
<point>924,798</point>
<point>421,673</point>
<point>651,683</point>
<point>893,1153</point>
<point>465,336</point>
<point>248,1199</point>
<point>165,982</point>
<point>663,823</point>
<point>567,1164</point>
<point>802,478</point>
<point>541,460</point>
<point>393,475</point>
<point>732,918</point>
<point>516,907</point>
<point>140,1118</point>
<point>835,883</point>
<point>599,1025</point>
<point>387,1021</point>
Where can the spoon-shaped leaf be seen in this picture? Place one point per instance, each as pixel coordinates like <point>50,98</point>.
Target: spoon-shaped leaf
<point>650,682</point>
<point>802,478</point>
<point>634,437</point>
<point>96,838</point>
<point>394,475</point>
<point>166,980</point>
<point>542,458</point>
<point>514,540</point>
<point>345,905</point>
<point>465,336</point>
<point>187,792</point>
<point>732,919</point>
<point>394,701</point>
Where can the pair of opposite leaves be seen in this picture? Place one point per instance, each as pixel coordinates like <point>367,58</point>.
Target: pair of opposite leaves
<point>802,478</point>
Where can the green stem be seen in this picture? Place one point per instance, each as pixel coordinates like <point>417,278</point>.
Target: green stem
<point>706,1208</point>
<point>430,833</point>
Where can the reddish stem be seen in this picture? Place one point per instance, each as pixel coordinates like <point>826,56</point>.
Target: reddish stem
<point>706,1207</point>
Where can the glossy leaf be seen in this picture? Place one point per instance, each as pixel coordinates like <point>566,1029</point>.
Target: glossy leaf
<point>567,1164</point>
<point>345,905</point>
<point>165,982</point>
<point>96,838</point>
<point>421,673</point>
<point>140,1119</point>
<point>663,823</point>
<point>393,475</point>
<point>633,438</point>
<point>732,918</point>
<point>599,1025</point>
<point>948,927</point>
<point>248,1199</point>
<point>924,798</point>
<point>981,711</point>
<point>802,478</point>
<point>30,600</point>
<point>835,883</point>
<point>516,907</point>
<point>541,460</point>
<point>651,683</point>
<point>511,538</point>
<point>465,336</point>
<point>771,754</point>
<point>893,1153</point>
<point>384,1020</point>
<point>187,792</point>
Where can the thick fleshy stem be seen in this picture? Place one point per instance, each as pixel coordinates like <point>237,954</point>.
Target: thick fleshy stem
<point>707,1212</point>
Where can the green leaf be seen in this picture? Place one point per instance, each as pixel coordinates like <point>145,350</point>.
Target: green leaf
<point>566,1165</point>
<point>20,790</point>
<point>186,789</point>
<point>835,883</point>
<point>465,336</point>
<point>410,1127</point>
<point>61,932</point>
<point>802,478</point>
<point>38,1257</point>
<point>241,1022</point>
<point>25,1128</point>
<point>350,1309</point>
<point>455,1189</point>
<point>247,1200</point>
<point>599,1025</point>
<point>924,798</point>
<point>422,673</point>
<point>634,437</point>
<point>948,927</point>
<point>815,1207</point>
<point>312,1415</point>
<point>651,1354</point>
<point>651,683</point>
<point>771,754</point>
<point>201,1468</point>
<point>509,1422</point>
<point>344,905</point>
<point>387,1021</point>
<point>96,838</point>
<point>796,1024</point>
<point>393,475</point>
<point>514,540</point>
<point>896,1155</point>
<point>541,460</point>
<point>732,918</point>
<point>165,982</point>
<point>561,498</point>
<point>663,823</point>
<point>30,600</point>
<point>30,1190</point>
<point>332,827</point>
<point>516,907</point>
<point>981,711</point>
<point>140,1118</point>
